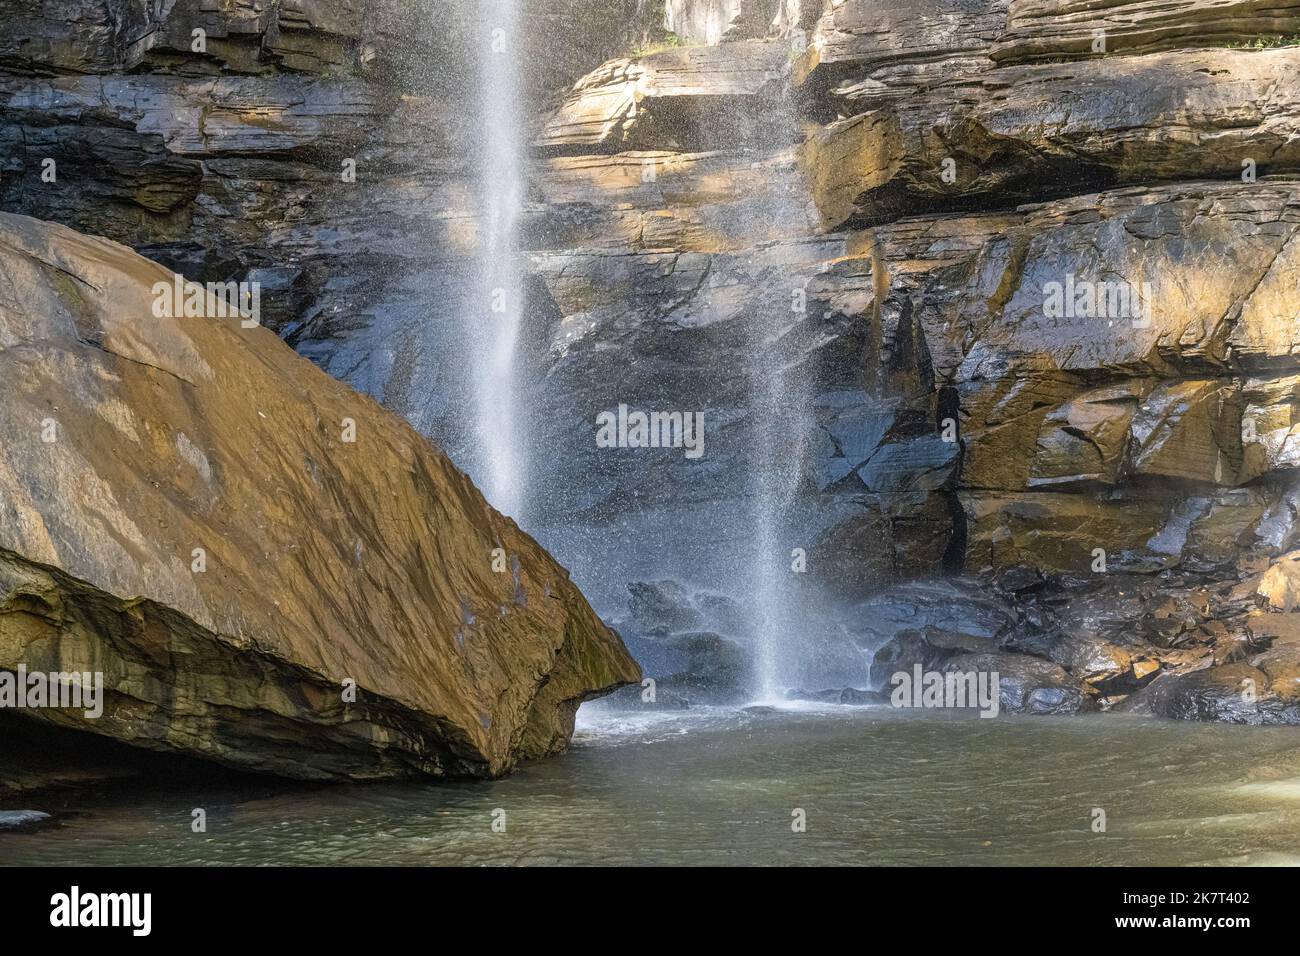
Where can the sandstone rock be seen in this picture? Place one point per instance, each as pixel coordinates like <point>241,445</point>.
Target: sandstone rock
<point>668,216</point>
<point>1093,661</point>
<point>1280,585</point>
<point>1270,436</point>
<point>414,41</point>
<point>687,98</point>
<point>1084,439</point>
<point>1060,29</point>
<point>866,54</point>
<point>118,35</point>
<point>871,539</point>
<point>1054,531</point>
<point>1282,666</point>
<point>1026,132</point>
<point>325,562</point>
<point>1190,430</point>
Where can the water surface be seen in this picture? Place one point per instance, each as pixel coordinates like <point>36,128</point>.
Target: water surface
<point>719,786</point>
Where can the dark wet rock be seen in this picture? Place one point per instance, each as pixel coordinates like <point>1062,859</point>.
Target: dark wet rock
<point>635,697</point>
<point>660,607</point>
<point>712,661</point>
<point>1027,685</point>
<point>846,695</point>
<point>1019,580</point>
<point>929,650</point>
<point>1109,667</point>
<point>1240,693</point>
<point>946,611</point>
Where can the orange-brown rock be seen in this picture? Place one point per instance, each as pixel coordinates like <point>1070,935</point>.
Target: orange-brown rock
<point>183,511</point>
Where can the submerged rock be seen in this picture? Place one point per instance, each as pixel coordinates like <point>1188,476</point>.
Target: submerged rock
<point>21,819</point>
<point>269,570</point>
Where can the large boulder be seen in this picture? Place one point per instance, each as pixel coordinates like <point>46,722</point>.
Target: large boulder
<point>237,542</point>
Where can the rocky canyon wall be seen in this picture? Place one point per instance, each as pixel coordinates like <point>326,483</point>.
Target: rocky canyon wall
<point>894,190</point>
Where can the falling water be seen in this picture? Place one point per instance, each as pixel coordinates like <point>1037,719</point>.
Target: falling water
<point>494,336</point>
<point>777,412</point>
<point>779,403</point>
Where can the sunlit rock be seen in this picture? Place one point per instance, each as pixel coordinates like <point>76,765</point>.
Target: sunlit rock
<point>1025,133</point>
<point>1059,29</point>
<point>269,570</point>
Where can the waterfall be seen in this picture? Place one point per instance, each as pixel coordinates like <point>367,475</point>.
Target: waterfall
<point>780,412</point>
<point>496,319</point>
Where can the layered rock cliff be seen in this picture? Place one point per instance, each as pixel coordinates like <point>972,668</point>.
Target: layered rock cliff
<point>892,195</point>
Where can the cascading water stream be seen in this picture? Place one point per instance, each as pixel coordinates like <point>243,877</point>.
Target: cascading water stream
<point>499,313</point>
<point>776,481</point>
<point>780,412</point>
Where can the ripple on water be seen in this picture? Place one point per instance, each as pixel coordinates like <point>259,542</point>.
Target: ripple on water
<point>719,785</point>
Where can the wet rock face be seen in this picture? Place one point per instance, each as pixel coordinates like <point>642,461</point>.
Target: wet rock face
<point>691,643</point>
<point>1237,693</point>
<point>1070,355</point>
<point>268,569</point>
